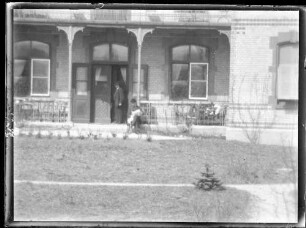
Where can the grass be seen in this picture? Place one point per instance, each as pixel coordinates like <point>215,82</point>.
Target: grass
<point>168,161</point>
<point>140,161</point>
<point>128,204</point>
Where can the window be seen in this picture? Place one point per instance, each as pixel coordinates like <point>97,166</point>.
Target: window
<point>110,52</point>
<point>31,68</point>
<point>101,52</point>
<point>189,71</point>
<point>198,81</point>
<point>143,82</point>
<point>40,77</point>
<point>82,81</point>
<point>287,72</point>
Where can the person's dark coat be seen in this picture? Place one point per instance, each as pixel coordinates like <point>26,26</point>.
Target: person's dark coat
<point>118,97</point>
<point>118,103</point>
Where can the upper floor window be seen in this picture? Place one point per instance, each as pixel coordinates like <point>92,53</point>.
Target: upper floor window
<point>189,72</point>
<point>110,52</point>
<point>287,72</point>
<point>31,68</point>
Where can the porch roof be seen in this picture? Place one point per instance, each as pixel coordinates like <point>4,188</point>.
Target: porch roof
<point>125,18</point>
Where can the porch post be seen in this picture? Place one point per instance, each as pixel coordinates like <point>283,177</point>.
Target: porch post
<point>140,34</point>
<point>70,32</point>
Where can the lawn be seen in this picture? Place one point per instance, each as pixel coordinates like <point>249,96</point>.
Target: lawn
<point>139,161</point>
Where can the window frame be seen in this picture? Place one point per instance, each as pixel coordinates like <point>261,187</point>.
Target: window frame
<point>32,77</point>
<point>190,80</point>
<point>29,59</point>
<point>74,79</point>
<point>279,46</point>
<point>188,62</point>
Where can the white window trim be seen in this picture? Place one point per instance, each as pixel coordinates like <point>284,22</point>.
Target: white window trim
<point>38,94</point>
<point>189,95</point>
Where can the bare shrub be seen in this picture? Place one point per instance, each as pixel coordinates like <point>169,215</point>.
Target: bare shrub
<point>253,120</point>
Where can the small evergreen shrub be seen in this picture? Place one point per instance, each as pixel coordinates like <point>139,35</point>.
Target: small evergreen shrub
<point>114,135</point>
<point>208,181</point>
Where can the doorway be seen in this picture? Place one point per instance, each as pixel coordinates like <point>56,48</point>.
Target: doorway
<point>104,77</point>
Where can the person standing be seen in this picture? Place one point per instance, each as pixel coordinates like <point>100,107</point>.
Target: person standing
<point>118,102</point>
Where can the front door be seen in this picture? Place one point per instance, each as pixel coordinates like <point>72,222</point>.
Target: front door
<point>101,94</point>
<point>81,93</point>
<point>104,77</point>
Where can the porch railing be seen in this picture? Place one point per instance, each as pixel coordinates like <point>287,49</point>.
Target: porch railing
<point>41,110</point>
<point>189,114</point>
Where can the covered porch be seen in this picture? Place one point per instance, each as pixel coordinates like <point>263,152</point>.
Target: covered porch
<point>178,71</point>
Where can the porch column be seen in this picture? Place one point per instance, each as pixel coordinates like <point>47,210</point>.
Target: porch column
<point>140,34</point>
<point>70,32</point>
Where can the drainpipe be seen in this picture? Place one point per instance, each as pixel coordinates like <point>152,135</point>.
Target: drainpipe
<point>70,32</point>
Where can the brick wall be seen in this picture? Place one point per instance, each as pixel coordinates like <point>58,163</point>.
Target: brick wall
<point>62,61</point>
<point>154,55</point>
<point>252,58</point>
<point>222,63</point>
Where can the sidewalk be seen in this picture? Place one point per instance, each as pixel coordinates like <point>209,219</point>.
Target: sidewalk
<point>274,203</point>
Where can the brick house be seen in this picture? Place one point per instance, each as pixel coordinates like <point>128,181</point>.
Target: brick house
<point>67,61</point>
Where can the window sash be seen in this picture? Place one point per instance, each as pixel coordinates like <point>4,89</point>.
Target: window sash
<point>40,77</point>
<point>287,82</point>
<point>287,85</point>
<point>190,81</point>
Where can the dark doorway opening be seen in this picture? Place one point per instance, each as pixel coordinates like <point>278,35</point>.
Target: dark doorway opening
<point>104,78</point>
